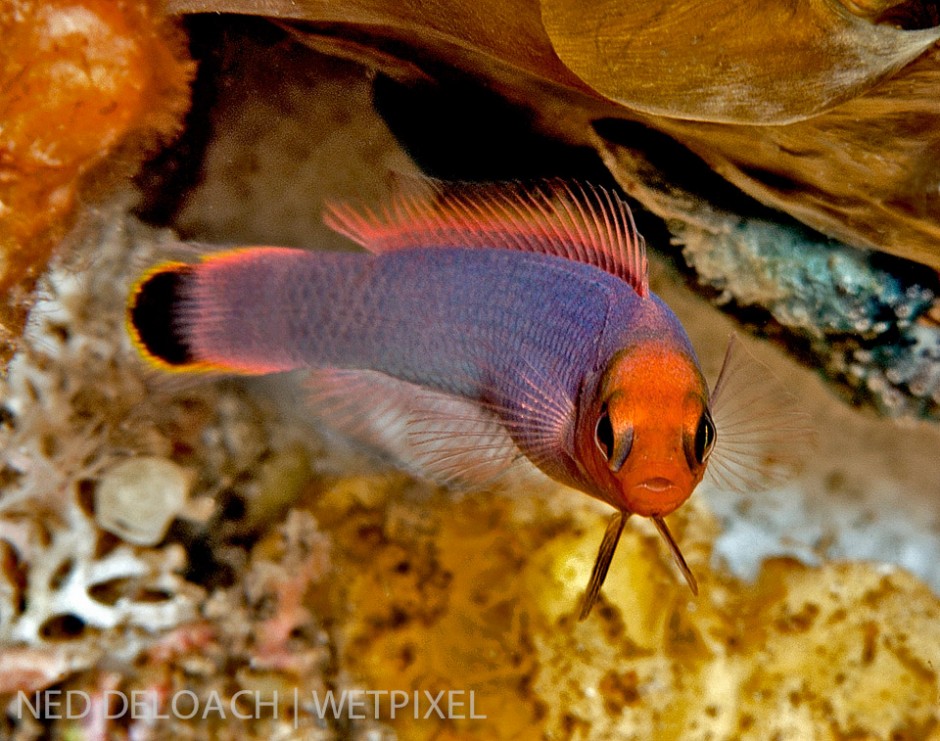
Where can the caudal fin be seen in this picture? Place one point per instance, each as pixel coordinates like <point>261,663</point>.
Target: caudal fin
<point>224,314</point>
<point>153,317</point>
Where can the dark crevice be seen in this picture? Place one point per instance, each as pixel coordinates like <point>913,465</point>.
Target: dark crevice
<point>679,168</point>
<point>456,129</point>
<point>214,43</point>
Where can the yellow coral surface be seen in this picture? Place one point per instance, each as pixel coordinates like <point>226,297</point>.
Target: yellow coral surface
<point>481,593</point>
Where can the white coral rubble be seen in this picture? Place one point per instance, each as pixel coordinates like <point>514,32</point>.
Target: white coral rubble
<point>69,400</point>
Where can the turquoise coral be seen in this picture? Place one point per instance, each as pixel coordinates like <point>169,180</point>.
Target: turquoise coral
<point>855,313</point>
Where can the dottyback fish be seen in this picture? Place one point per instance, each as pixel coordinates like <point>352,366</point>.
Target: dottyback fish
<point>498,322</point>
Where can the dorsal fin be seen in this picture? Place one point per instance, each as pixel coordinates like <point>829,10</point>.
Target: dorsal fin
<point>581,222</point>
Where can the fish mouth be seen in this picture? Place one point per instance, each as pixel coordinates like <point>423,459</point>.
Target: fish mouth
<point>657,484</point>
<point>655,495</point>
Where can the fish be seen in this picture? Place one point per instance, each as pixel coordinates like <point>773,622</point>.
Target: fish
<point>483,325</point>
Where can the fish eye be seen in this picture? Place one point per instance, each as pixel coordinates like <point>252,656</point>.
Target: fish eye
<point>604,435</point>
<point>705,436</point>
<point>614,448</point>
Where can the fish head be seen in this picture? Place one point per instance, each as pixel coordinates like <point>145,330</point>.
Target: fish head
<point>646,436</point>
<point>646,433</point>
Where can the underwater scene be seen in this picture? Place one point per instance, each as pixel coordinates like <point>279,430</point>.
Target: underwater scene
<point>470,370</point>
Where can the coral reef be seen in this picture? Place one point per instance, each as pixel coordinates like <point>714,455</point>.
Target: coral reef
<point>69,417</point>
<point>295,567</point>
<point>83,584</point>
<point>865,328</point>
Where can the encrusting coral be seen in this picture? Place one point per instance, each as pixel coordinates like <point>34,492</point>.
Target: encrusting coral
<point>868,331</point>
<point>69,413</point>
<point>78,413</point>
<point>481,594</point>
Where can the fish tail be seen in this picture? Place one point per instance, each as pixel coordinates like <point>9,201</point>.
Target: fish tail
<point>199,317</point>
<point>154,317</point>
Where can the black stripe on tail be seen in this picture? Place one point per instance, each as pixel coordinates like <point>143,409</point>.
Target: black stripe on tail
<point>153,315</point>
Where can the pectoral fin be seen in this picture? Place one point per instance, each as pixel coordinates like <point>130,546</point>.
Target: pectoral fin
<point>434,435</point>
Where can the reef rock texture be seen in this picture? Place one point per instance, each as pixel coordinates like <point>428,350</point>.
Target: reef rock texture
<point>811,110</point>
<point>86,602</point>
<point>87,88</point>
<point>481,594</point>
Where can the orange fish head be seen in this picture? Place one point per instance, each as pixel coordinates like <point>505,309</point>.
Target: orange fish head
<point>646,438</point>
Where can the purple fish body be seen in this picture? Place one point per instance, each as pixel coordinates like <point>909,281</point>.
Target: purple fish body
<point>462,321</point>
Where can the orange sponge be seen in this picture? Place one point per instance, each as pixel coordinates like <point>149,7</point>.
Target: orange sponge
<point>87,89</point>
